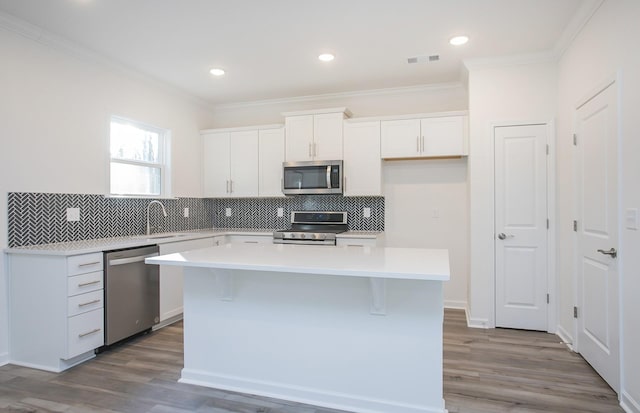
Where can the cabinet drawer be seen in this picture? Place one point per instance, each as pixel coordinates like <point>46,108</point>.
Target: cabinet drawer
<point>84,283</point>
<point>85,332</point>
<point>81,264</point>
<point>85,302</point>
<point>356,242</point>
<point>250,239</point>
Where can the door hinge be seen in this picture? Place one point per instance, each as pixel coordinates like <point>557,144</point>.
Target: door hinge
<point>547,223</point>
<point>575,140</point>
<point>575,312</point>
<point>547,298</point>
<point>547,149</point>
<point>575,226</point>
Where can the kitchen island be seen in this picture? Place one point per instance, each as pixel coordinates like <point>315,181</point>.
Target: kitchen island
<point>352,328</point>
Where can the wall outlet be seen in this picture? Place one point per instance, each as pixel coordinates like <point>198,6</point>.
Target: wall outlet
<point>73,214</point>
<point>631,218</point>
<point>227,212</point>
<point>366,212</point>
<point>280,212</point>
<point>435,213</point>
<point>186,212</point>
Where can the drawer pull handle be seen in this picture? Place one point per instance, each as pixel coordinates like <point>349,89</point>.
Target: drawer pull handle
<point>89,283</point>
<point>89,303</point>
<point>86,264</point>
<point>95,330</point>
<point>251,242</point>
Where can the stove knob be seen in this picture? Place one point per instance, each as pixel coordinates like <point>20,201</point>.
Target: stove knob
<point>292,235</point>
<point>303,235</point>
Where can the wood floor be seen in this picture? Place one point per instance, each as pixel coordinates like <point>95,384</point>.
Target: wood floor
<point>488,371</point>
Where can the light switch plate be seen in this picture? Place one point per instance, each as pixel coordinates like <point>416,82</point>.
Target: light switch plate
<point>227,212</point>
<point>631,218</point>
<point>280,212</point>
<point>186,212</point>
<point>73,214</point>
<point>366,212</point>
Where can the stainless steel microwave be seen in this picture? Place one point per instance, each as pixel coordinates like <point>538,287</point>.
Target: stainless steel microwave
<point>312,177</point>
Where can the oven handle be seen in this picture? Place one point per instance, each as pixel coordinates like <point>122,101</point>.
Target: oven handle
<point>328,176</point>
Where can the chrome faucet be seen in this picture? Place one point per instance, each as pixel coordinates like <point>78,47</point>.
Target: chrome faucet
<point>164,211</point>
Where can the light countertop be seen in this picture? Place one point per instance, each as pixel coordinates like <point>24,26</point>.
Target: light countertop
<point>373,262</point>
<point>107,244</point>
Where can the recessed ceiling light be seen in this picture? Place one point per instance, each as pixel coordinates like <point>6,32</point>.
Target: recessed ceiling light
<point>326,57</point>
<point>217,71</point>
<point>459,40</point>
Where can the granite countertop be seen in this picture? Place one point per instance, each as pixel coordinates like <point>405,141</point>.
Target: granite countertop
<point>107,244</point>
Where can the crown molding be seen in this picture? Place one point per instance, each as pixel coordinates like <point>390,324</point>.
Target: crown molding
<point>342,95</point>
<point>576,24</point>
<point>38,34</point>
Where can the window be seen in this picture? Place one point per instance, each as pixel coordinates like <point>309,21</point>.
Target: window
<point>138,159</point>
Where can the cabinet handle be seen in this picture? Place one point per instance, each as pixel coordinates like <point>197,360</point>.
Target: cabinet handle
<point>88,283</point>
<point>86,264</point>
<point>310,155</point>
<point>344,185</point>
<point>230,186</point>
<point>251,242</point>
<point>89,303</point>
<point>95,330</point>
<point>418,144</point>
<point>227,181</point>
<point>422,144</point>
<point>315,150</point>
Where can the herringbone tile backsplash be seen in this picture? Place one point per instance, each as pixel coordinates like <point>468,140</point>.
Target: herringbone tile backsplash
<point>41,218</point>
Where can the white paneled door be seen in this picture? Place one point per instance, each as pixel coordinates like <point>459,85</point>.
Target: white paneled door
<point>597,234</point>
<point>521,226</point>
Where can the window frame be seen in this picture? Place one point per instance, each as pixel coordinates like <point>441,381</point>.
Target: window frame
<point>163,163</point>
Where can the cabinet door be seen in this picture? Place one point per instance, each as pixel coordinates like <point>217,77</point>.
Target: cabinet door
<point>244,163</point>
<point>362,164</point>
<point>271,156</point>
<point>400,138</point>
<point>171,278</point>
<point>443,136</point>
<point>215,148</point>
<point>327,136</point>
<point>299,138</point>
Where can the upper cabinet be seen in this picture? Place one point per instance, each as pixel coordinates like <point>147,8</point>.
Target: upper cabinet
<point>270,158</point>
<point>429,137</point>
<point>362,164</point>
<point>314,135</point>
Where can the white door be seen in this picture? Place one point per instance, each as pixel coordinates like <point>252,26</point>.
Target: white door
<point>215,158</point>
<point>327,136</point>
<point>442,136</point>
<point>299,138</point>
<point>362,164</point>
<point>597,227</point>
<point>521,226</point>
<point>400,138</point>
<point>243,159</point>
<point>271,156</point>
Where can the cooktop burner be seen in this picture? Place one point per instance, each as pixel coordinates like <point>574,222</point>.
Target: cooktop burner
<point>312,227</point>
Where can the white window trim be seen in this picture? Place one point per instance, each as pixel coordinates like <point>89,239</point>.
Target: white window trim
<point>164,159</point>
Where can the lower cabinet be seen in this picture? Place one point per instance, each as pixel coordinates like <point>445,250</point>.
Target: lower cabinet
<point>56,309</point>
<point>267,238</point>
<point>171,278</point>
<point>376,240</point>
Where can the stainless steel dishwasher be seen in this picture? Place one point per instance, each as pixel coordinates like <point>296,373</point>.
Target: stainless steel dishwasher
<point>131,293</point>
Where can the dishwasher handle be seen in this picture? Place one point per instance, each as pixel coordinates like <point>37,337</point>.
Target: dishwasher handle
<point>122,261</point>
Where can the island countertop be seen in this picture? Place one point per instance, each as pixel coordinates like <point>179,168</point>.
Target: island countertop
<point>374,262</point>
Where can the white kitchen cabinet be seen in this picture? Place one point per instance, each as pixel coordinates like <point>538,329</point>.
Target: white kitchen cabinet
<point>230,164</point>
<point>314,135</point>
<point>56,309</point>
<point>270,158</point>
<point>266,238</point>
<point>362,164</point>
<point>171,278</point>
<point>360,240</point>
<point>430,137</point>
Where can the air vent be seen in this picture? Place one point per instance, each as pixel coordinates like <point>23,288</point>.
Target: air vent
<point>424,59</point>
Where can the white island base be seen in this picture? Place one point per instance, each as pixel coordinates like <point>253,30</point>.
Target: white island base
<point>350,342</point>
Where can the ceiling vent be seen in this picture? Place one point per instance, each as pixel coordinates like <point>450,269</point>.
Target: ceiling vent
<point>424,59</point>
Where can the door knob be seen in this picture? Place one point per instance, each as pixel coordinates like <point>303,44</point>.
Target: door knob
<point>502,235</point>
<point>612,252</point>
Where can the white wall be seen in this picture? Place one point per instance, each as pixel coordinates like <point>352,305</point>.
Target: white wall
<point>605,46</point>
<point>412,189</point>
<point>499,92</point>
<point>54,128</point>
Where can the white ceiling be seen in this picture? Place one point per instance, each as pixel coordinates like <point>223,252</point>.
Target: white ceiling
<point>269,48</point>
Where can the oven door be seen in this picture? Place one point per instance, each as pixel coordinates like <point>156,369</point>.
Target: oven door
<point>315,177</point>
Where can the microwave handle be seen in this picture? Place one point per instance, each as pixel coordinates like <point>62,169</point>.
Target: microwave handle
<point>328,176</point>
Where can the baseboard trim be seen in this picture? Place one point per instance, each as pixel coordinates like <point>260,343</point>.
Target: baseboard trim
<point>316,397</point>
<point>167,322</point>
<point>628,403</point>
<point>455,305</point>
<point>566,337</point>
<point>4,359</point>
<point>476,322</point>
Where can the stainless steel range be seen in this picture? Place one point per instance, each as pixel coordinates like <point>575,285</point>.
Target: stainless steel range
<point>312,228</point>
